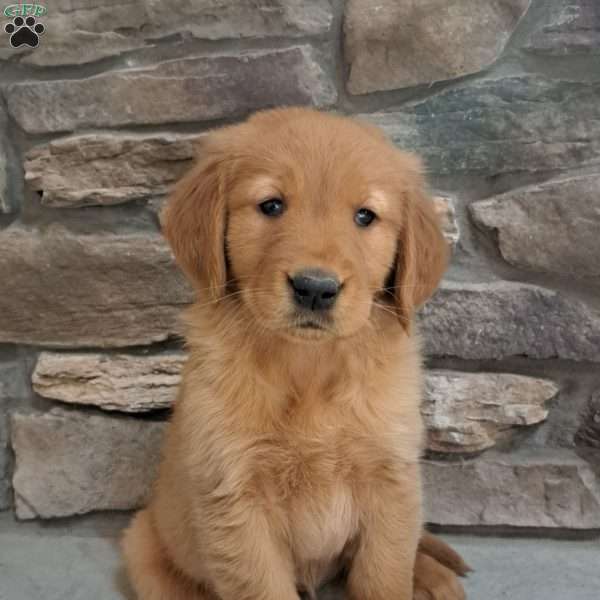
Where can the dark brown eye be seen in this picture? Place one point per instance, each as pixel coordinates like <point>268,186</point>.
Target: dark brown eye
<point>273,207</point>
<point>364,217</point>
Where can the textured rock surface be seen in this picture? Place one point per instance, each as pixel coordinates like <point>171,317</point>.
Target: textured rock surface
<point>66,289</point>
<point>469,412</point>
<point>444,206</point>
<point>589,433</point>
<point>100,169</point>
<point>391,44</point>
<point>125,382</point>
<point>184,90</point>
<point>69,463</point>
<point>464,412</point>
<point>87,30</point>
<point>4,460</point>
<point>501,319</point>
<point>13,389</point>
<point>571,27</point>
<point>551,227</point>
<point>545,488</point>
<point>105,115</point>
<point>503,125</point>
<point>5,202</point>
<point>5,205</point>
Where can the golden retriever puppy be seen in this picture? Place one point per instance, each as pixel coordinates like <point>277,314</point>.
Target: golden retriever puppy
<point>293,450</point>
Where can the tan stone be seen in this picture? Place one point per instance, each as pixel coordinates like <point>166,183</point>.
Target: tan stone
<point>88,30</point>
<point>550,227</point>
<point>111,168</point>
<point>529,488</point>
<point>444,207</point>
<point>470,412</point>
<point>123,382</point>
<point>70,463</point>
<point>464,412</point>
<point>392,44</point>
<point>200,88</point>
<point>68,289</point>
<point>499,319</point>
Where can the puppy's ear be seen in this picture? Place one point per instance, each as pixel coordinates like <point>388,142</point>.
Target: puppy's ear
<point>422,252</point>
<point>194,218</point>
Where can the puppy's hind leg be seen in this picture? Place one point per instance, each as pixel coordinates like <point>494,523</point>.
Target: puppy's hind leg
<point>150,572</point>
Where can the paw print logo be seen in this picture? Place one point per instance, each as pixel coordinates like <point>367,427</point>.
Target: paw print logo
<point>24,32</point>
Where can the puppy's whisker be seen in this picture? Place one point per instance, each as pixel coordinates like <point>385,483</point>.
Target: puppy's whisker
<point>386,309</point>
<point>236,293</point>
<point>398,287</point>
<point>223,285</point>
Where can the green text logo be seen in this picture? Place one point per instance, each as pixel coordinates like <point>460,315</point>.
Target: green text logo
<point>24,10</point>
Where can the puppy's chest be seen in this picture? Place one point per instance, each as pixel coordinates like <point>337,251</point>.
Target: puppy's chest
<point>312,480</point>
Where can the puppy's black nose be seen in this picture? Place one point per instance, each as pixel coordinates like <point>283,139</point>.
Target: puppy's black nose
<point>315,289</point>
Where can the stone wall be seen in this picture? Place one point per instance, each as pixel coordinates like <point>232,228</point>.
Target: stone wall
<point>500,97</point>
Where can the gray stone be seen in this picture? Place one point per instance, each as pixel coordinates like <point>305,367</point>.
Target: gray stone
<point>112,168</point>
<point>444,207</point>
<point>184,90</point>
<point>570,27</point>
<point>12,388</point>
<point>589,433</point>
<point>500,319</point>
<point>70,463</point>
<point>124,382</point>
<point>6,206</point>
<point>76,559</point>
<point>494,126</point>
<point>544,488</point>
<point>99,289</point>
<point>4,459</point>
<point>566,414</point>
<point>87,30</point>
<point>13,379</point>
<point>393,44</point>
<point>470,412</point>
<point>524,567</point>
<point>551,227</point>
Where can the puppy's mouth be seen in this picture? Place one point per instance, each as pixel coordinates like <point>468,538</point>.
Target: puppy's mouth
<point>310,325</point>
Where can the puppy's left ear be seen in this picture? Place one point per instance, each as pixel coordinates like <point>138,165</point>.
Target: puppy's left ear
<point>422,251</point>
<point>194,218</point>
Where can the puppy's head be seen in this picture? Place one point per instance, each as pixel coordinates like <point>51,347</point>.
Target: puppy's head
<point>313,222</point>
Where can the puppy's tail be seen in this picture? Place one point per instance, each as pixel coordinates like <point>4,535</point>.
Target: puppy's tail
<point>443,553</point>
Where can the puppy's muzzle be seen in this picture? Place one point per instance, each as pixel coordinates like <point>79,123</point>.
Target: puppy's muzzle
<point>314,289</point>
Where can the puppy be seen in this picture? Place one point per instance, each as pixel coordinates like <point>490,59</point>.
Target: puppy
<point>293,451</point>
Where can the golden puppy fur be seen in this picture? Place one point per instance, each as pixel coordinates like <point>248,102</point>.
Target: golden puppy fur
<point>293,450</point>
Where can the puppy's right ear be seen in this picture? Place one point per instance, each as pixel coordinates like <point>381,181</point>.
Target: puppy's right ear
<point>193,222</point>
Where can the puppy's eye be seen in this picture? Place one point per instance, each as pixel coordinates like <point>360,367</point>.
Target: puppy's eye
<point>273,207</point>
<point>364,217</point>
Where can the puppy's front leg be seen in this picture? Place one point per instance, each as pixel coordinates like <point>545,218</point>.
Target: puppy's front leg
<point>245,558</point>
<point>382,568</point>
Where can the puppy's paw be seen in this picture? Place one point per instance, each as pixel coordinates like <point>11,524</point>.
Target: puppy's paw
<point>434,581</point>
